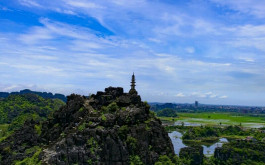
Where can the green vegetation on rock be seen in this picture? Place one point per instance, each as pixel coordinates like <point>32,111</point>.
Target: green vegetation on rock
<point>132,143</point>
<point>103,117</point>
<point>82,126</point>
<point>34,160</point>
<point>38,129</point>
<point>120,128</point>
<point>93,145</point>
<point>164,160</point>
<point>240,152</point>
<point>135,160</point>
<point>123,130</point>
<point>15,109</point>
<point>112,107</point>
<point>201,132</point>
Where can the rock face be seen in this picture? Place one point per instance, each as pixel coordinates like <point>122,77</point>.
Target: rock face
<point>194,153</point>
<point>15,146</point>
<point>111,127</point>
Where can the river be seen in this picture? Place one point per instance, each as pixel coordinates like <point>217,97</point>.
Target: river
<point>177,142</point>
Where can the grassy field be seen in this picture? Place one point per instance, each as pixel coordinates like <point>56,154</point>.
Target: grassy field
<point>207,118</point>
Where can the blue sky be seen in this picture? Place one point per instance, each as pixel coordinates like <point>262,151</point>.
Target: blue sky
<point>212,51</point>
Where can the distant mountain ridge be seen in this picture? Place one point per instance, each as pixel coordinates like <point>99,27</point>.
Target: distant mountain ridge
<point>46,95</point>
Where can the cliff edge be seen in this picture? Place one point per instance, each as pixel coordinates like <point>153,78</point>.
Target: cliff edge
<point>110,127</point>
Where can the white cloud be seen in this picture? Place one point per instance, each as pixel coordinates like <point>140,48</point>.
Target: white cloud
<point>15,87</point>
<point>210,95</point>
<point>36,34</point>
<point>83,4</point>
<point>223,97</point>
<point>49,70</point>
<point>78,36</point>
<point>41,57</point>
<point>29,3</point>
<point>213,96</point>
<point>253,7</point>
<point>247,36</point>
<point>247,59</point>
<point>70,12</point>
<point>9,88</point>
<point>190,50</point>
<point>180,95</point>
<point>155,40</point>
<point>153,44</point>
<point>197,94</point>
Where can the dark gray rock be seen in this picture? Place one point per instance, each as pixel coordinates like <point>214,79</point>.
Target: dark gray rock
<point>82,133</point>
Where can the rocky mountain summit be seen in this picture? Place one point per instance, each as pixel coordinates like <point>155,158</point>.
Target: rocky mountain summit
<point>110,127</point>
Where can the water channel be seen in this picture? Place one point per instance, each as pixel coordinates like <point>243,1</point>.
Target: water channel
<point>177,142</point>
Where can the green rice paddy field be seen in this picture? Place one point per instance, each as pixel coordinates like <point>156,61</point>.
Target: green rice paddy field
<point>216,118</point>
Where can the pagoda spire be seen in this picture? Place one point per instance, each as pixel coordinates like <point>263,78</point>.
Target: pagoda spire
<point>133,90</point>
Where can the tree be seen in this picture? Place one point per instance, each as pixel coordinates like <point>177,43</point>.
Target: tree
<point>167,112</point>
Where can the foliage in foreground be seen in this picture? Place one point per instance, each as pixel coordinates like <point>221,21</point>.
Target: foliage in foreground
<point>241,152</point>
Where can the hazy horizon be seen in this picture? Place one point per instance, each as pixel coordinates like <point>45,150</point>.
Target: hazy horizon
<point>212,51</point>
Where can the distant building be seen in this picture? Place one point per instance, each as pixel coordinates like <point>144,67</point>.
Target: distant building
<point>196,104</point>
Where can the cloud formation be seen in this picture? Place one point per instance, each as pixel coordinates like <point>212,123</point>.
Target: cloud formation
<point>178,55</point>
